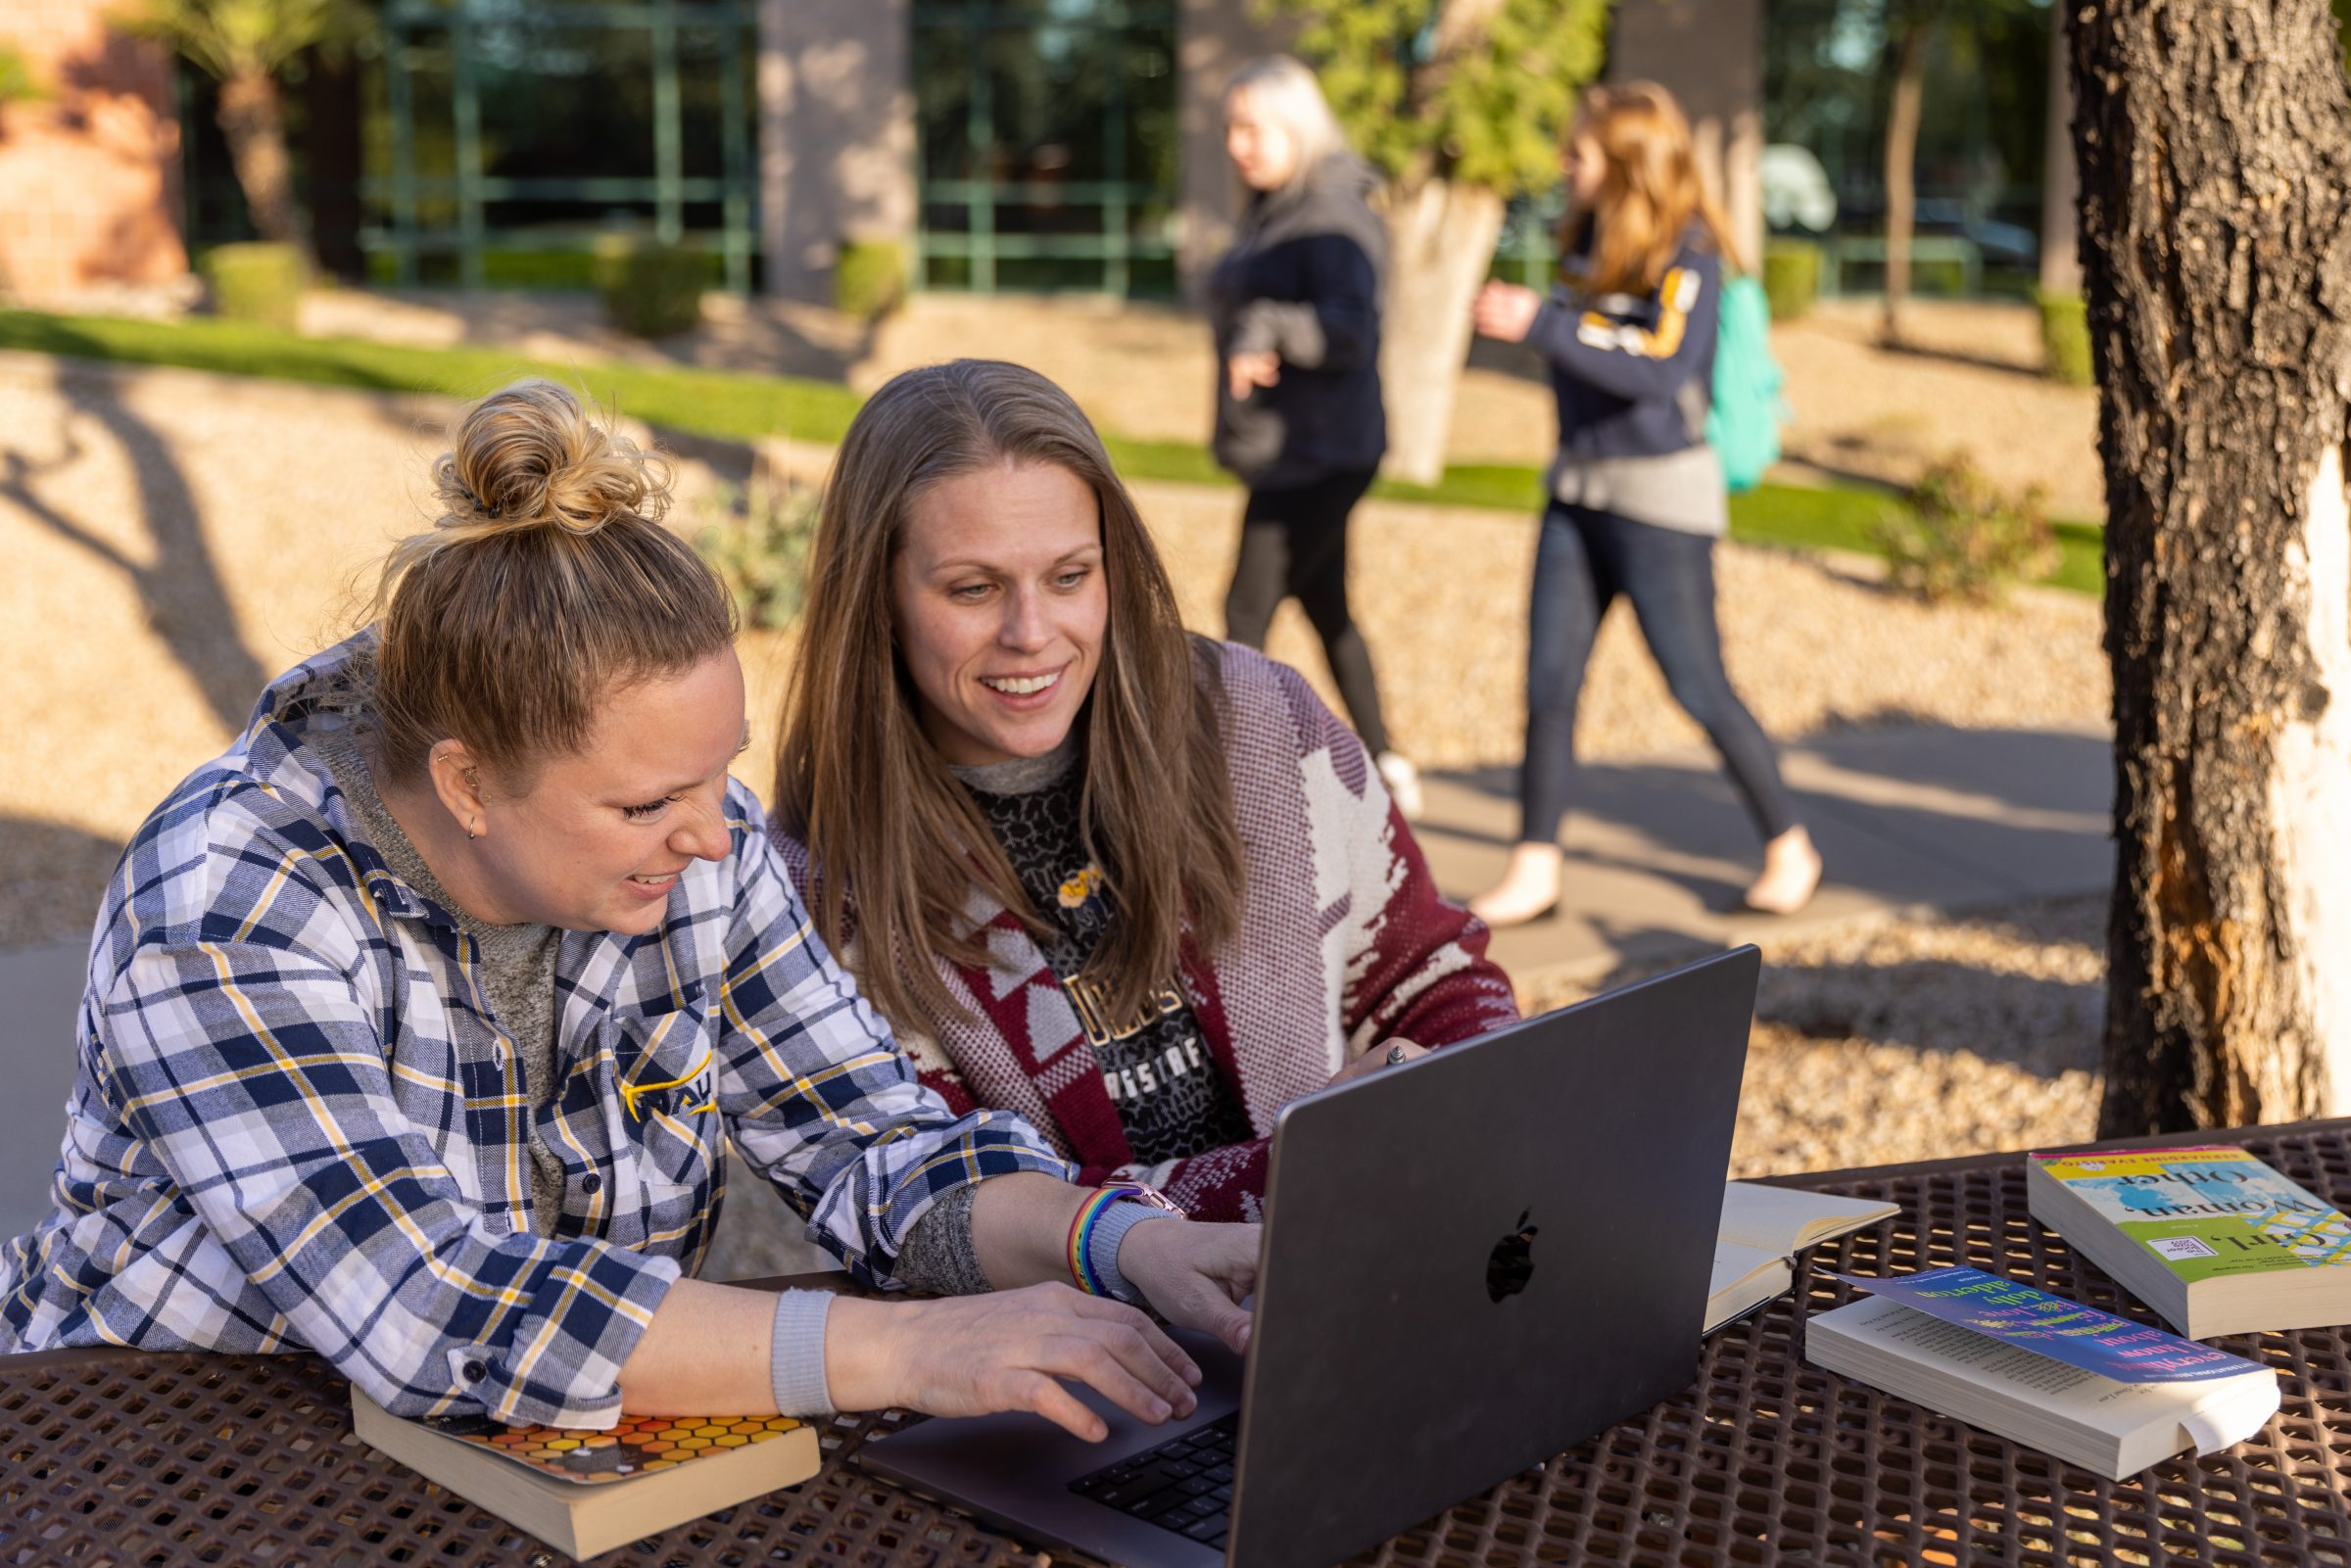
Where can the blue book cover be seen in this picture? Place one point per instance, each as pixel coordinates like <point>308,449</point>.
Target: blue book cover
<point>2062,1330</point>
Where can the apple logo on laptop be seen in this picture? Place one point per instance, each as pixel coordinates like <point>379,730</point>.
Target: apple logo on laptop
<point>1512,1262</point>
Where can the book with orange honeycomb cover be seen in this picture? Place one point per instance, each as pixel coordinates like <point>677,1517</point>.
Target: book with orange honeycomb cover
<point>586,1492</point>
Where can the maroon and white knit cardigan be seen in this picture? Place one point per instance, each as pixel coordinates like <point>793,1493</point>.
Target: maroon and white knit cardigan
<point>1345,943</point>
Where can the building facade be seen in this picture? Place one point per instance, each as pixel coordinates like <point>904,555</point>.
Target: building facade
<point>90,168</point>
<point>994,144</point>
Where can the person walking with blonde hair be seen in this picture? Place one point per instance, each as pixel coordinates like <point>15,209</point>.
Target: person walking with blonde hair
<point>1637,495</point>
<point>418,1022</point>
<point>1140,887</point>
<point>1295,305</point>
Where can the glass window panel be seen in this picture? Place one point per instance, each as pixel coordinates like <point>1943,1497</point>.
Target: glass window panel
<point>947,272</point>
<point>1047,90</point>
<point>942,95</point>
<point>1048,102</point>
<point>1048,273</point>
<point>1047,217</point>
<point>561,102</point>
<point>701,99</point>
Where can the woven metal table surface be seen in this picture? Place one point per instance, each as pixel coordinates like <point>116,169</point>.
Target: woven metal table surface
<point>112,1457</point>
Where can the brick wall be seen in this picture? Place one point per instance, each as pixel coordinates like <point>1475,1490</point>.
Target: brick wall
<point>89,178</point>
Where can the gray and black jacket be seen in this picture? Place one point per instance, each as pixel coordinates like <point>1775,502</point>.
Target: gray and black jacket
<point>1633,376</point>
<point>1303,278</point>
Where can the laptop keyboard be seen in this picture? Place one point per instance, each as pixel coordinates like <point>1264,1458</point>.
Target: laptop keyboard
<point>1184,1484</point>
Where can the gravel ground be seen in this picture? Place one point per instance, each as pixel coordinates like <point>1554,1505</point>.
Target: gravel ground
<point>155,582</point>
<point>1907,1039</point>
<point>174,539</point>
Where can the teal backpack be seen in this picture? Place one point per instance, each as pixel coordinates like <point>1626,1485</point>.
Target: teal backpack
<point>1744,424</point>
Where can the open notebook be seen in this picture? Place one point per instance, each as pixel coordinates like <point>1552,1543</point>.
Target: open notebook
<point>1762,1227</point>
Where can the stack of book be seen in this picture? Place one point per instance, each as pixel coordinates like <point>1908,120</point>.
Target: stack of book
<point>2214,1240</point>
<point>2094,1390</point>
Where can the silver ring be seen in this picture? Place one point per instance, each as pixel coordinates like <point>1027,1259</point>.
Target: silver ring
<point>1395,1056</point>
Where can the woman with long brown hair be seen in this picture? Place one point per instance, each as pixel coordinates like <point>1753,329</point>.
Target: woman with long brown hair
<point>1637,495</point>
<point>418,1022</point>
<point>1140,887</point>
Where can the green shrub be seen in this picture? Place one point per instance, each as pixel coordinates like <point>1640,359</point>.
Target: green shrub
<point>2065,337</point>
<point>869,279</point>
<point>1940,277</point>
<point>1791,276</point>
<point>651,289</point>
<point>1957,535</point>
<point>756,539</point>
<point>17,83</point>
<point>259,283</point>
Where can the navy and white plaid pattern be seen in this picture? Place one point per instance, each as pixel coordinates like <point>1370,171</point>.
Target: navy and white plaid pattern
<point>296,1124</point>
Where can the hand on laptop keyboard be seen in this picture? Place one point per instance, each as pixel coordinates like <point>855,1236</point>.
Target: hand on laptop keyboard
<point>978,1354</point>
<point>1195,1274</point>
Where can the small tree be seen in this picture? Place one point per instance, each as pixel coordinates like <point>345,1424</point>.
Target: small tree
<point>245,44</point>
<point>1915,23</point>
<point>1462,104</point>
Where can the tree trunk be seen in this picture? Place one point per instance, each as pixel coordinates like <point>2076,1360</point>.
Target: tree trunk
<point>335,156</point>
<point>253,122</point>
<point>2060,244</point>
<point>1902,168</point>
<point>2213,147</point>
<point>1441,239</point>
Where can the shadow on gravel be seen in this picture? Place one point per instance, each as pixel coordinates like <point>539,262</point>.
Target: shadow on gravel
<point>187,604</point>
<point>1905,814</point>
<point>2042,1025</point>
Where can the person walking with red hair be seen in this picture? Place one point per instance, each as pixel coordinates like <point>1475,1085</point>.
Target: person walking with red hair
<point>1637,495</point>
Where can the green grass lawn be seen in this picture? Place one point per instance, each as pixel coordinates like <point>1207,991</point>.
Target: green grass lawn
<point>741,407</point>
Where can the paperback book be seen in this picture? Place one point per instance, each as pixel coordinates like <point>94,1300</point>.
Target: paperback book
<point>2094,1390</point>
<point>1762,1228</point>
<point>2212,1239</point>
<point>586,1492</point>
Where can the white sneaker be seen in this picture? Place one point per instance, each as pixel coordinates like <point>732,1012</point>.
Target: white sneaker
<point>1403,780</point>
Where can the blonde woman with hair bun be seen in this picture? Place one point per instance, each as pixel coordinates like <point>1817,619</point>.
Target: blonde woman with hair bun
<point>1295,305</point>
<point>1637,494</point>
<point>416,1024</point>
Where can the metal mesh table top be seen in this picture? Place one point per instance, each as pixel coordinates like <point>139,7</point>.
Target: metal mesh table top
<point>111,1457</point>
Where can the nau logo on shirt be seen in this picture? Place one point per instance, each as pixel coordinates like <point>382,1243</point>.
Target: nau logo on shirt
<point>688,1095</point>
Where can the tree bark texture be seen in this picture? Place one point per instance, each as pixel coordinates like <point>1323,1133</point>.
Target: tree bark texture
<point>1901,167</point>
<point>2213,147</point>
<point>253,122</point>
<point>1441,237</point>
<point>2060,193</point>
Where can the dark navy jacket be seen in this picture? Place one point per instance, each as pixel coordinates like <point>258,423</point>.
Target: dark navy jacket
<point>1633,374</point>
<point>1302,278</point>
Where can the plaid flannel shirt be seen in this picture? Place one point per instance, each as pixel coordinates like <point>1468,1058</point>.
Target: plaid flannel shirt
<point>296,1124</point>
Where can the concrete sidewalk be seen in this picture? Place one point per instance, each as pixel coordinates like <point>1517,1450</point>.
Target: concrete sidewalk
<point>1910,818</point>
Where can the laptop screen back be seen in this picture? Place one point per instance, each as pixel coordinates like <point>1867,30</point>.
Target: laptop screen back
<point>1485,1256</point>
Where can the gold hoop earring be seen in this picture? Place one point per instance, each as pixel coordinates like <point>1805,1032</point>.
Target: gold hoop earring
<point>469,832</point>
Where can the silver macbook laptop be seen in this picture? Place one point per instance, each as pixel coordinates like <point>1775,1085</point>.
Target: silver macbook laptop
<point>1471,1263</point>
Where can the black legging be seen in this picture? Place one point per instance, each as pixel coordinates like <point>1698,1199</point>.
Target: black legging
<point>1294,543</point>
<point>1586,559</point>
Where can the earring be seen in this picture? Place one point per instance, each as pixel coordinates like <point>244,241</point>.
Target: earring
<point>469,830</point>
